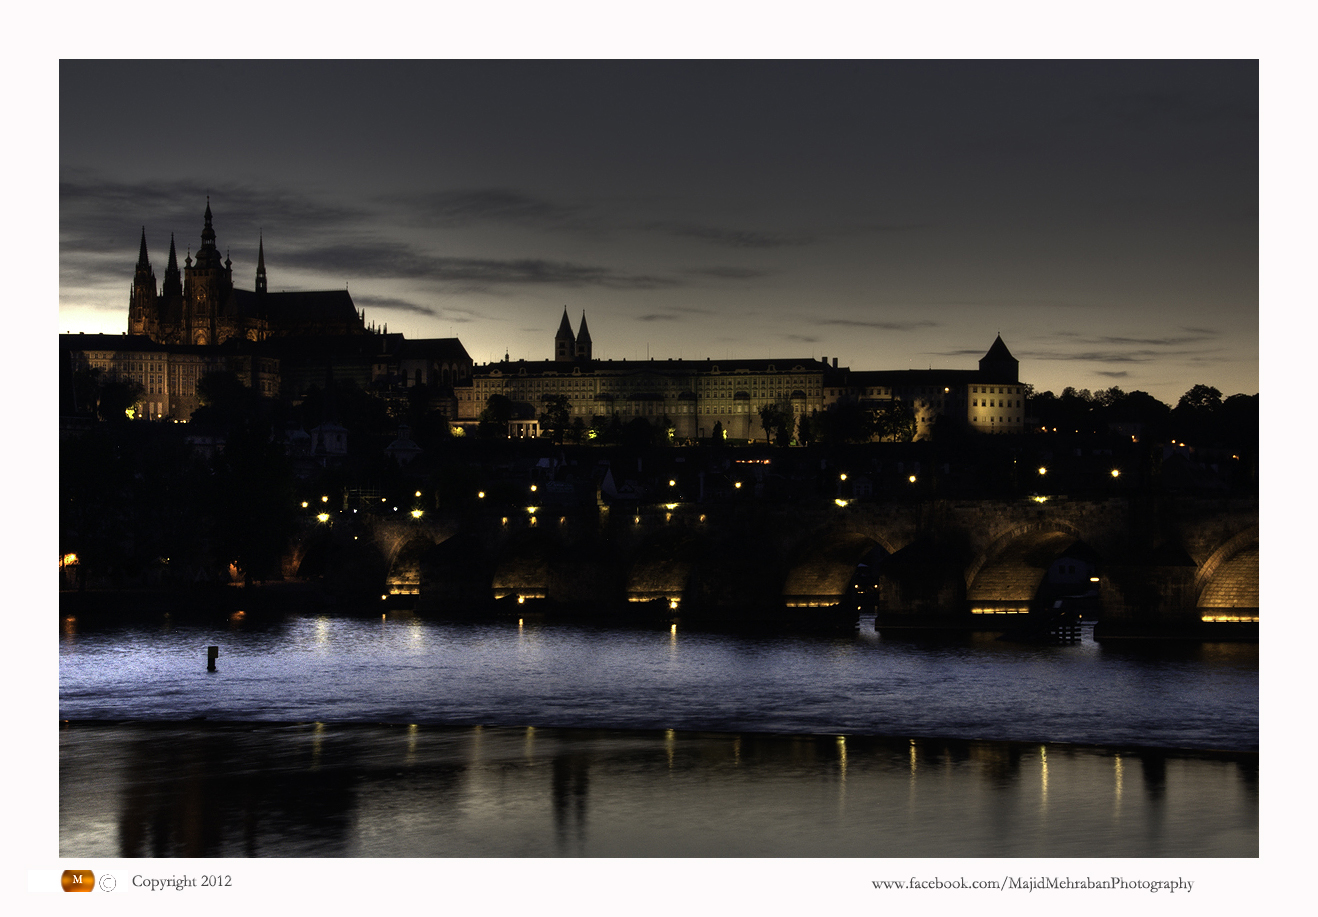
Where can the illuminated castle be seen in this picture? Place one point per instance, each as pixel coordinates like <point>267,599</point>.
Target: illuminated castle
<point>200,304</point>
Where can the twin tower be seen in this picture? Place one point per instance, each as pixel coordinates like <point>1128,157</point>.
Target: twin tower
<point>567,346</point>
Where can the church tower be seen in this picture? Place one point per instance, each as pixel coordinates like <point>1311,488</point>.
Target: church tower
<point>142,299</point>
<point>565,343</point>
<point>206,286</point>
<point>583,338</point>
<point>260,266</point>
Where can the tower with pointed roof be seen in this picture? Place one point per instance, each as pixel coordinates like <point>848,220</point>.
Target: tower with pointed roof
<point>260,266</point>
<point>142,310</point>
<point>565,342</point>
<point>207,284</point>
<point>998,365</point>
<point>583,339</point>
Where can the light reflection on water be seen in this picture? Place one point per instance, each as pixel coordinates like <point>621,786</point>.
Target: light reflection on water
<point>404,669</point>
<point>524,739</point>
<point>380,791</point>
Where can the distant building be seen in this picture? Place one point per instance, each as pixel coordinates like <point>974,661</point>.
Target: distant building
<point>990,399</point>
<point>697,395</point>
<point>278,344</point>
<point>202,306</point>
<point>167,374</point>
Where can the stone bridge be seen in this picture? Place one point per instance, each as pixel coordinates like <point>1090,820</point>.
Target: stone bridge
<point>1145,563</point>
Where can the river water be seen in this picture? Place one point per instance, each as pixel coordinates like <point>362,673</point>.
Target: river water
<point>402,736</point>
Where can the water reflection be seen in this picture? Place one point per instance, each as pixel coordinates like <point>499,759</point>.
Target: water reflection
<point>323,790</point>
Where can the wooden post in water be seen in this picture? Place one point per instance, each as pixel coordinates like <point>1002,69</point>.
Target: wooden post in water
<point>212,652</point>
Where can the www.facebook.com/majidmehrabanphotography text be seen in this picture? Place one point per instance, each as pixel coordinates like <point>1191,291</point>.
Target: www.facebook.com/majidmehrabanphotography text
<point>1039,883</point>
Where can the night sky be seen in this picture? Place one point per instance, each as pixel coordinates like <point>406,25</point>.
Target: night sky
<point>1102,216</point>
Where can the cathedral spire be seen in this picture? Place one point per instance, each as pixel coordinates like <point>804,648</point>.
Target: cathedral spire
<point>208,232</point>
<point>565,342</point>
<point>142,260</point>
<point>260,265</point>
<point>583,340</point>
<point>173,286</point>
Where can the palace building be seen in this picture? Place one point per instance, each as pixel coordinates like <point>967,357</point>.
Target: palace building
<point>697,395</point>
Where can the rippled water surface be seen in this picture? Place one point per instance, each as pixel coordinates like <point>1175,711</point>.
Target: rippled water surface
<point>401,736</point>
<point>404,669</point>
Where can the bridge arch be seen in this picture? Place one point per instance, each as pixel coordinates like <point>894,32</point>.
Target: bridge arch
<point>663,566</point>
<point>824,570</point>
<point>1009,572</point>
<point>1227,583</point>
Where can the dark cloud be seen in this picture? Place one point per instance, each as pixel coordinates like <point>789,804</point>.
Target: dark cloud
<point>804,338</point>
<point>1111,356</point>
<point>97,213</point>
<point>393,304</point>
<point>1112,373</point>
<point>880,326</point>
<point>393,261</point>
<point>656,317</point>
<point>734,238</point>
<point>729,273</point>
<point>467,208</point>
<point>1195,337</point>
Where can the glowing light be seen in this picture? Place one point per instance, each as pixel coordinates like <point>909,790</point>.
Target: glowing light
<point>521,600</point>
<point>383,597</point>
<point>737,485</point>
<point>532,509</point>
<point>322,517</point>
<point>416,514</point>
<point>670,506</point>
<point>68,560</point>
<point>1229,619</point>
<point>1093,579</point>
<point>1039,499</point>
<point>672,604</point>
<point>1116,472</point>
<point>673,629</point>
<point>1043,469</point>
<point>304,504</point>
<point>480,495</point>
<point>418,493</point>
<point>532,488</point>
<point>840,502</point>
<point>324,499</point>
<point>911,479</point>
<point>842,477</point>
<point>672,483</point>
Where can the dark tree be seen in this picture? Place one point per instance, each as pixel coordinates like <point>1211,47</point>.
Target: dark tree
<point>116,398</point>
<point>554,418</point>
<point>494,419</point>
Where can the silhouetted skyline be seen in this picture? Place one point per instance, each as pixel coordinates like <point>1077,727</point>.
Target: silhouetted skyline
<point>1101,216</point>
